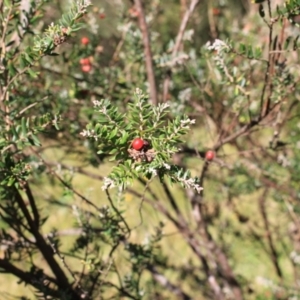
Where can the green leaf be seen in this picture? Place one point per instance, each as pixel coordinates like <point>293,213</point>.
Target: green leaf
<point>261,11</point>
<point>242,48</point>
<point>12,70</point>
<point>250,52</point>
<point>113,151</point>
<point>287,42</point>
<point>77,26</point>
<point>124,138</point>
<point>11,181</point>
<point>24,127</point>
<point>28,58</point>
<point>36,141</point>
<point>113,133</point>
<point>32,73</point>
<point>10,43</point>
<point>113,158</point>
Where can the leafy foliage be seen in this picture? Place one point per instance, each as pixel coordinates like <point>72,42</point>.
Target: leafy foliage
<point>116,131</point>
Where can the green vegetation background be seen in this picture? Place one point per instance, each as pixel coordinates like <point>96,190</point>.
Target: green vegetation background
<point>231,194</point>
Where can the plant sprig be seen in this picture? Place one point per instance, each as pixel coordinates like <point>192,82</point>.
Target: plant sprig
<point>115,131</point>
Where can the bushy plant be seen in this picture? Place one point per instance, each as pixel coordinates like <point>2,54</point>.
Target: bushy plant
<point>141,160</point>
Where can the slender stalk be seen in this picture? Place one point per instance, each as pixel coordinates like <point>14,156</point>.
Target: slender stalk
<point>178,42</point>
<point>147,51</point>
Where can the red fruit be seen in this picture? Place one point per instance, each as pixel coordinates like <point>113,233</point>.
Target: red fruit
<point>85,40</point>
<point>216,11</point>
<point>134,13</point>
<point>102,16</point>
<point>85,61</point>
<point>137,144</point>
<point>86,68</point>
<point>209,155</point>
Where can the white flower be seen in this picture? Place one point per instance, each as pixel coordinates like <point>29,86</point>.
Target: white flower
<point>89,133</point>
<point>187,121</point>
<point>163,106</point>
<point>168,167</point>
<point>94,25</point>
<point>84,133</point>
<point>267,283</point>
<point>97,103</point>
<point>295,257</point>
<point>191,184</point>
<point>218,45</point>
<point>179,59</point>
<point>138,91</point>
<point>184,122</point>
<point>107,183</point>
<point>185,94</point>
<point>188,35</point>
<point>153,171</point>
<point>124,28</point>
<point>101,108</point>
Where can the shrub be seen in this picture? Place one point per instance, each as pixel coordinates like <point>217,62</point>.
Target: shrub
<point>146,162</point>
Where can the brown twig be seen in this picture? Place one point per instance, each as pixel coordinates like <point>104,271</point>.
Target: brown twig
<point>32,202</point>
<point>173,203</point>
<point>147,51</point>
<point>164,282</point>
<point>178,42</point>
<point>117,212</point>
<point>265,105</point>
<point>63,182</point>
<point>27,277</point>
<point>45,249</point>
<point>62,259</point>
<point>274,254</point>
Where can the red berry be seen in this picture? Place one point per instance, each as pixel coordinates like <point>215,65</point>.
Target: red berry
<point>134,13</point>
<point>209,155</point>
<point>216,11</point>
<point>85,61</point>
<point>86,68</point>
<point>85,40</point>
<point>137,144</point>
<point>102,16</point>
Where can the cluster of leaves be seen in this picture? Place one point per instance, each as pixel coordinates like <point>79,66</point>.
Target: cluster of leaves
<point>57,34</point>
<point>115,132</point>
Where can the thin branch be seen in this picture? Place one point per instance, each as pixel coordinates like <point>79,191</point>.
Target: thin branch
<point>164,282</point>
<point>265,107</point>
<point>117,211</point>
<point>115,55</point>
<point>45,249</point>
<point>62,259</point>
<point>147,51</point>
<point>274,254</point>
<point>63,182</point>
<point>27,277</point>
<point>183,25</point>
<point>4,30</point>
<point>178,42</point>
<point>33,206</point>
<point>216,287</point>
